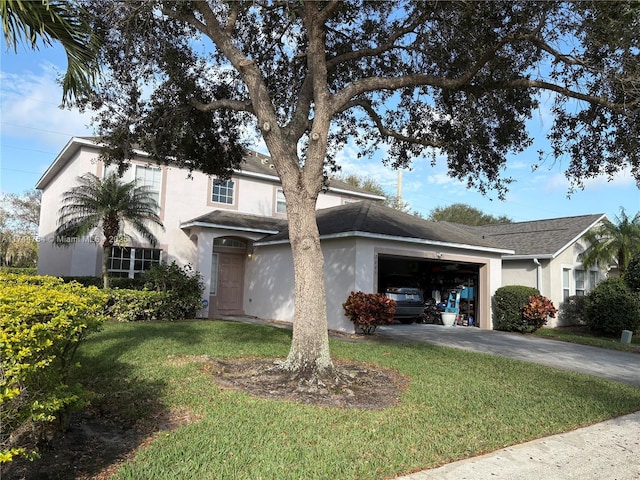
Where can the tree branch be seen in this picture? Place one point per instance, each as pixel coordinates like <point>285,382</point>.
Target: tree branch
<point>386,132</point>
<point>224,103</point>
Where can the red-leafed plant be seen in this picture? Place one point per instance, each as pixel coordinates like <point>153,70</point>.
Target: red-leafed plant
<point>368,310</point>
<point>537,311</point>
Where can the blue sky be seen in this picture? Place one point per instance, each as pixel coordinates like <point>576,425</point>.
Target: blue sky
<point>34,129</point>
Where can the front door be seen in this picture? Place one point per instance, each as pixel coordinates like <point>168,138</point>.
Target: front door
<point>230,283</point>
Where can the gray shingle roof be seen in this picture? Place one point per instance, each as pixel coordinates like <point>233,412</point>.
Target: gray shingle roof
<point>238,221</point>
<point>539,237</point>
<point>376,219</point>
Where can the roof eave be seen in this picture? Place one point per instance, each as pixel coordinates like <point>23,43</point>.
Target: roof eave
<point>188,225</point>
<point>379,236</point>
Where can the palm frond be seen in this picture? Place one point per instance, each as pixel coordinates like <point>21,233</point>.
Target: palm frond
<point>54,20</point>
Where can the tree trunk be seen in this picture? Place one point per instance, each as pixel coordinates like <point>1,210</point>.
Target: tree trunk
<point>106,249</point>
<point>309,356</point>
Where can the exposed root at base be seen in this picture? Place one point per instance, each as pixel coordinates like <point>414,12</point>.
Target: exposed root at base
<point>348,384</point>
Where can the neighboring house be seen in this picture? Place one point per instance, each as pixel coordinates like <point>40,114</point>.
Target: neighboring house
<point>234,232</point>
<point>547,255</point>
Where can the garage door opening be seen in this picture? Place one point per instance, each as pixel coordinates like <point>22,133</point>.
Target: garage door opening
<point>437,278</point>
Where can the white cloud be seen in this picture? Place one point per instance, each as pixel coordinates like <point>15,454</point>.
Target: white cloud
<point>30,109</point>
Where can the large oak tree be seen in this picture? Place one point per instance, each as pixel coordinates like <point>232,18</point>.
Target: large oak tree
<point>428,79</point>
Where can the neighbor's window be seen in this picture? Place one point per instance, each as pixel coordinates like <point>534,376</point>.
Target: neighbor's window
<point>222,191</point>
<point>131,262</point>
<point>579,279</point>
<point>281,202</point>
<point>566,283</point>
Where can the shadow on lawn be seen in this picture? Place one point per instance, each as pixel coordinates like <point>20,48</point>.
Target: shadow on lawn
<point>125,413</point>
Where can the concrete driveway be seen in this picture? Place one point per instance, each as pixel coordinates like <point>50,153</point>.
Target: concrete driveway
<point>611,364</point>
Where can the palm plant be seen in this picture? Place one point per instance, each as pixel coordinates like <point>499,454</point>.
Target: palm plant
<point>110,204</point>
<point>49,20</point>
<point>610,241</point>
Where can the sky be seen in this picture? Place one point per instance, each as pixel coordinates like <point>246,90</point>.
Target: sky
<point>33,130</point>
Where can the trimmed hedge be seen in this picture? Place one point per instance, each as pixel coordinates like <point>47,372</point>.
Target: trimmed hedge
<point>142,305</point>
<point>612,307</point>
<point>20,270</point>
<point>508,303</point>
<point>42,322</point>
<point>115,282</point>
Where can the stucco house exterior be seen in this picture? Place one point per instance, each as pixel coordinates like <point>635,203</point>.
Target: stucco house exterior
<point>234,232</point>
<point>547,255</point>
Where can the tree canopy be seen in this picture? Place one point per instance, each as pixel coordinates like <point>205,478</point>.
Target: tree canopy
<point>423,79</point>
<point>465,215</point>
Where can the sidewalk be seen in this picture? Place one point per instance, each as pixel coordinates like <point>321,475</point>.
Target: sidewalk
<point>606,451</point>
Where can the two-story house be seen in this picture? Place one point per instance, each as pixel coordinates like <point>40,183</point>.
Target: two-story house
<point>234,232</point>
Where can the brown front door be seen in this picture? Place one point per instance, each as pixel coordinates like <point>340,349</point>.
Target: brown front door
<point>230,283</point>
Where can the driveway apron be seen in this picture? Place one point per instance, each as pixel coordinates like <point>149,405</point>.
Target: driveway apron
<point>613,365</point>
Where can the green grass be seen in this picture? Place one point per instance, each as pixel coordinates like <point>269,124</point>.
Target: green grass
<point>584,337</point>
<point>458,404</point>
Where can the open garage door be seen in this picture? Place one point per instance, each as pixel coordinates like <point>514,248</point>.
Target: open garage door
<point>436,279</point>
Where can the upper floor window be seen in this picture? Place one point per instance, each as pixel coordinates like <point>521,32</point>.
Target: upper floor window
<point>222,191</point>
<point>281,201</point>
<point>150,177</point>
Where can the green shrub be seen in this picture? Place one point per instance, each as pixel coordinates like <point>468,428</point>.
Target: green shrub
<point>20,270</point>
<point>508,303</point>
<point>42,322</point>
<point>183,284</point>
<point>612,307</point>
<point>573,310</point>
<point>115,282</point>
<point>368,310</point>
<point>632,274</point>
<point>142,305</point>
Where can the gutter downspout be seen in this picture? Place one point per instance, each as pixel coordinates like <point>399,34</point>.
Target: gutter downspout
<point>538,274</point>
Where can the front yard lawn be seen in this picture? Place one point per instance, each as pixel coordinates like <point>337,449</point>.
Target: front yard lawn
<point>584,336</point>
<point>457,404</point>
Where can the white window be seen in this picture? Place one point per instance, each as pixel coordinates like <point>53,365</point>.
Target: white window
<point>281,201</point>
<point>566,283</point>
<point>594,278</point>
<point>579,282</point>
<point>222,191</point>
<point>150,177</point>
<point>131,262</point>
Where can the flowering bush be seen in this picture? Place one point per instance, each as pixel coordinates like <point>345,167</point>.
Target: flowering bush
<point>368,310</point>
<point>536,312</point>
<point>42,322</point>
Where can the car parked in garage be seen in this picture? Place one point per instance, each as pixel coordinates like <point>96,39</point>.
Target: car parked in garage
<point>406,291</point>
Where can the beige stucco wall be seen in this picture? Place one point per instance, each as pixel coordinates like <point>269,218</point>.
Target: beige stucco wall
<point>184,196</point>
<point>350,265</point>
<point>81,258</point>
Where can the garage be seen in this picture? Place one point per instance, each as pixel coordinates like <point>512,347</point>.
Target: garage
<point>437,279</point>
